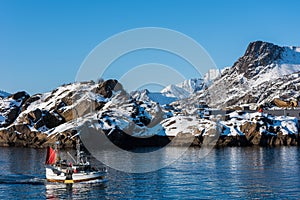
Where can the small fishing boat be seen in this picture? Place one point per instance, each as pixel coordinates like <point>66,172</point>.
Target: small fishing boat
<point>58,170</point>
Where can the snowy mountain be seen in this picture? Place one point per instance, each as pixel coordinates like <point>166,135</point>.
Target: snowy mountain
<point>184,89</point>
<point>146,95</point>
<point>211,75</point>
<point>171,93</point>
<point>178,91</point>
<point>191,86</point>
<point>266,71</point>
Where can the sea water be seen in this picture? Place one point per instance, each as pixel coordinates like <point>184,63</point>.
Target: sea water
<point>226,173</point>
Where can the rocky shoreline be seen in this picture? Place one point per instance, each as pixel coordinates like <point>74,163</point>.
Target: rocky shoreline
<point>9,138</point>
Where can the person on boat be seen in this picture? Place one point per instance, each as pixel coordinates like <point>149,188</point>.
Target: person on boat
<point>69,172</point>
<point>260,109</point>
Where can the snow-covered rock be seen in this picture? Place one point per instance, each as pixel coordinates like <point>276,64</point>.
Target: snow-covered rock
<point>10,107</point>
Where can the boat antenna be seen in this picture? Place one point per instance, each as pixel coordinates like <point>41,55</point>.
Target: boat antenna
<point>71,156</point>
<point>57,146</point>
<point>78,156</point>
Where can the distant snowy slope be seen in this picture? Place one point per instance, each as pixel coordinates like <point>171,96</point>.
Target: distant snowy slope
<point>211,75</point>
<point>178,91</point>
<point>175,92</point>
<point>161,98</point>
<point>184,89</point>
<point>172,92</point>
<point>4,94</point>
<point>146,95</point>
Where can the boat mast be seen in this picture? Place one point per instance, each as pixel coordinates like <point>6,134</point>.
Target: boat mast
<point>78,151</point>
<point>57,151</point>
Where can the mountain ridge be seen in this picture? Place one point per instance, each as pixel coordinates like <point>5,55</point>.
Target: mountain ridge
<point>262,65</point>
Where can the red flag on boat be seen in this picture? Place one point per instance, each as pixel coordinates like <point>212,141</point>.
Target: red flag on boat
<point>51,156</point>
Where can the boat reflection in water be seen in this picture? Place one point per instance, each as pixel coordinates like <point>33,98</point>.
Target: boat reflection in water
<point>77,190</point>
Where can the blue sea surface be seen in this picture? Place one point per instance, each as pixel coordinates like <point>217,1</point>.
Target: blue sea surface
<point>226,173</point>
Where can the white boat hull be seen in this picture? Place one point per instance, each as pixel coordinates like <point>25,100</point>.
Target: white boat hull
<point>76,177</point>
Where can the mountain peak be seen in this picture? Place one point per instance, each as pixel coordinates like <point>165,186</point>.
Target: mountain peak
<point>259,48</point>
<point>258,53</point>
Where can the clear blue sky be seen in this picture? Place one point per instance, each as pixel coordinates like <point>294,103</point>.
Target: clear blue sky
<point>43,43</point>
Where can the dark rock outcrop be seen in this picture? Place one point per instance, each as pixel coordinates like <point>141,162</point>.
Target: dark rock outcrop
<point>35,115</point>
<point>23,96</point>
<point>12,115</point>
<point>106,88</point>
<point>52,119</point>
<point>30,100</point>
<point>257,54</point>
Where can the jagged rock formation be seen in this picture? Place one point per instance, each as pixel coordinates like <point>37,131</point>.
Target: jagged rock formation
<point>257,54</point>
